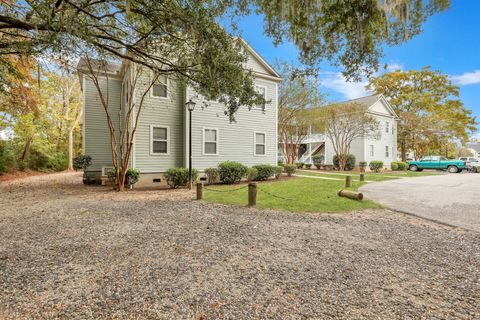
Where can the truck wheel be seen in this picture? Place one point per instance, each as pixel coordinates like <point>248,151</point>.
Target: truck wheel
<point>413,168</point>
<point>452,169</point>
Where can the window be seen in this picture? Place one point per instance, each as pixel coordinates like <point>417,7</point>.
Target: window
<point>260,143</point>
<point>387,126</point>
<point>159,137</point>
<point>372,150</point>
<point>210,141</point>
<point>263,91</point>
<point>160,87</point>
<point>387,154</point>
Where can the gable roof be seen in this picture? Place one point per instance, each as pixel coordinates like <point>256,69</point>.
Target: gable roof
<point>370,100</point>
<point>260,59</point>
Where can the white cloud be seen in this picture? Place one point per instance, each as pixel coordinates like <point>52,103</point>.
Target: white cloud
<point>352,90</point>
<point>336,81</point>
<point>467,78</point>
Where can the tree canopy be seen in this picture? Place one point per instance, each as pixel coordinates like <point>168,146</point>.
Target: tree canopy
<point>184,37</point>
<point>429,109</point>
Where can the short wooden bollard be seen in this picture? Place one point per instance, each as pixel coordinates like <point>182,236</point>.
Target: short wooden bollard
<point>350,194</point>
<point>348,181</point>
<point>199,190</point>
<point>362,177</point>
<point>252,194</point>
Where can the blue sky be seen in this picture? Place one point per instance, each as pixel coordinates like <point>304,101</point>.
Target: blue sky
<point>450,43</point>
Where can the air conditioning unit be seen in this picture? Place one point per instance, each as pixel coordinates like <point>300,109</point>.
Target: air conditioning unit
<point>105,170</point>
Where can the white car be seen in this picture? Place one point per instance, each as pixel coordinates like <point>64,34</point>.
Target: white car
<point>469,160</point>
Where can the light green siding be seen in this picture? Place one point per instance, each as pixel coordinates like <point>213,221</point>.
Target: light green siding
<point>168,112</point>
<point>236,140</point>
<point>96,132</point>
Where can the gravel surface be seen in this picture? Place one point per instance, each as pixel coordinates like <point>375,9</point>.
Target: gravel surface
<point>74,252</point>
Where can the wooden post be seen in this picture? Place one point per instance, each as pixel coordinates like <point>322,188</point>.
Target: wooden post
<point>362,177</point>
<point>252,194</point>
<point>348,181</point>
<point>350,194</point>
<point>200,190</point>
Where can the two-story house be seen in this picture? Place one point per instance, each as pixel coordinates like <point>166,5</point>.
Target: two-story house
<point>162,138</point>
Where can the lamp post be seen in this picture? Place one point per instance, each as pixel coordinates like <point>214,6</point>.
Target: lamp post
<point>190,106</point>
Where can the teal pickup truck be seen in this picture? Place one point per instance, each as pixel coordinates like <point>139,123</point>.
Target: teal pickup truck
<point>438,163</point>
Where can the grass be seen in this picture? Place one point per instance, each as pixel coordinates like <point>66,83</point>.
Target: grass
<point>369,176</point>
<point>300,195</point>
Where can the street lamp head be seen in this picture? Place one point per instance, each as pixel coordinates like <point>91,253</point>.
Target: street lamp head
<point>190,105</point>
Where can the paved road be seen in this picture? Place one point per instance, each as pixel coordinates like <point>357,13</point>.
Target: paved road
<point>453,199</point>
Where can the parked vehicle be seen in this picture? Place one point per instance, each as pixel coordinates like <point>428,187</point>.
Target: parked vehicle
<point>438,163</point>
<point>474,167</point>
<point>469,160</point>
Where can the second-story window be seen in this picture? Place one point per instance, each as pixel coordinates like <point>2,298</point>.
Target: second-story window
<point>387,126</point>
<point>263,92</point>
<point>160,87</point>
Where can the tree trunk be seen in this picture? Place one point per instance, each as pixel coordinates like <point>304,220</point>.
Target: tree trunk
<point>70,149</point>
<point>403,150</point>
<point>26,149</point>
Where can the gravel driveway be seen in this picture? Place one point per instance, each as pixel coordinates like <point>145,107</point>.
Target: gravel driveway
<point>74,252</point>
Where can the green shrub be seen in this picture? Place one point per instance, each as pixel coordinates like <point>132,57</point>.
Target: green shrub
<point>349,164</point>
<point>299,165</point>
<point>376,165</point>
<point>231,172</point>
<point>82,162</point>
<point>37,161</point>
<point>131,177</point>
<point>265,171</point>
<point>318,160</point>
<point>278,171</point>
<point>362,164</point>
<point>8,161</point>
<point>402,166</point>
<point>280,163</point>
<point>319,166</point>
<point>212,175</point>
<point>56,162</point>
<point>308,165</point>
<point>252,174</point>
<point>290,169</point>
<point>178,177</point>
<point>394,166</point>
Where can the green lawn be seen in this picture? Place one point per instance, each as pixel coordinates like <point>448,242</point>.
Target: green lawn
<point>301,195</point>
<point>369,176</point>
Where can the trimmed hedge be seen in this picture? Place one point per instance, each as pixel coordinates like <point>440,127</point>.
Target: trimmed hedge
<point>394,166</point>
<point>265,171</point>
<point>349,164</point>
<point>231,172</point>
<point>290,169</point>
<point>402,166</point>
<point>376,165</point>
<point>212,175</point>
<point>178,177</point>
<point>308,165</point>
<point>131,177</point>
<point>252,174</point>
<point>299,165</point>
<point>318,160</point>
<point>278,171</point>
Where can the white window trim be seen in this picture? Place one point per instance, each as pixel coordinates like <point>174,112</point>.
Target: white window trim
<point>265,97</point>
<point>387,152</point>
<point>371,150</point>
<point>387,127</point>
<point>151,88</point>
<point>217,142</point>
<point>151,140</point>
<point>255,143</point>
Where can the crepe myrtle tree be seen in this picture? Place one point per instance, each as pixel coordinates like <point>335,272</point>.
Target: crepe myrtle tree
<point>343,123</point>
